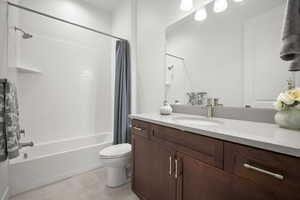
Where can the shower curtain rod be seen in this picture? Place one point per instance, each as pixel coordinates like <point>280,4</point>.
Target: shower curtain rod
<point>64,21</point>
<point>171,55</point>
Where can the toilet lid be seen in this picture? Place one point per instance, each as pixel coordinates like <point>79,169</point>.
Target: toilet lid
<point>116,151</point>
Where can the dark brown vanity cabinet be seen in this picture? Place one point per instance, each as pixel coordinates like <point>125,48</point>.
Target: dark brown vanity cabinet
<point>153,165</point>
<point>170,164</point>
<point>142,156</point>
<point>198,180</point>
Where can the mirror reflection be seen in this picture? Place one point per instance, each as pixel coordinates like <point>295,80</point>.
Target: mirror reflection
<point>231,56</point>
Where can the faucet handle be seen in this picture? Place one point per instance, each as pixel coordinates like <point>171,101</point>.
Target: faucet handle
<point>201,93</point>
<point>192,97</point>
<point>26,144</point>
<point>209,101</point>
<point>216,101</point>
<point>200,97</point>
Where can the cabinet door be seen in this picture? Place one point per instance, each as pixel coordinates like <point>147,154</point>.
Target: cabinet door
<point>278,174</point>
<point>142,161</point>
<point>153,166</point>
<point>163,185</point>
<point>199,181</point>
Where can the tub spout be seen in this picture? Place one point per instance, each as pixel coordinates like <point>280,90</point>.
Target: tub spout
<point>26,144</point>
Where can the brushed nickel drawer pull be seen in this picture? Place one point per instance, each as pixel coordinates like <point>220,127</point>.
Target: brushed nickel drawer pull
<point>170,165</point>
<point>137,129</point>
<point>278,176</point>
<point>176,169</point>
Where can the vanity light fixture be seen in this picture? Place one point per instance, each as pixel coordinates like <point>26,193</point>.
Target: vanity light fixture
<point>201,14</point>
<point>238,1</point>
<point>186,5</point>
<point>220,6</point>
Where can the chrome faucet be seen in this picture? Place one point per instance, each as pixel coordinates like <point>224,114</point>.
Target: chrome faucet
<point>201,96</point>
<point>197,98</point>
<point>210,108</point>
<point>192,98</point>
<point>25,144</point>
<point>211,104</point>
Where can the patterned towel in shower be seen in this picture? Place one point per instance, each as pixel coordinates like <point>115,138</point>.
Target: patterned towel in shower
<point>9,121</point>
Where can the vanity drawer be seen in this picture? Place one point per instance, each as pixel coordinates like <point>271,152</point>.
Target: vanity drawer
<point>140,128</point>
<point>265,168</point>
<point>203,148</point>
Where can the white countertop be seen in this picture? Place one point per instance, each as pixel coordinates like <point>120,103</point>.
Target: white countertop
<point>261,135</point>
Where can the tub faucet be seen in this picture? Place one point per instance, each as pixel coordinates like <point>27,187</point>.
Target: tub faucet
<point>26,144</point>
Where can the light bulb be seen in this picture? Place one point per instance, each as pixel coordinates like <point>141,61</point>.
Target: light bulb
<point>238,1</point>
<point>220,6</point>
<point>201,14</point>
<point>186,5</point>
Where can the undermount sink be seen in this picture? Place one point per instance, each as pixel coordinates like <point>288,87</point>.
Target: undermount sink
<point>197,121</point>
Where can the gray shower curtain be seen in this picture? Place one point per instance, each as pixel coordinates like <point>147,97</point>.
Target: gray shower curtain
<point>122,107</point>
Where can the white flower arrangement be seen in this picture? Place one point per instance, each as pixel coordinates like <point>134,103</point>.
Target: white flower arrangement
<point>288,99</point>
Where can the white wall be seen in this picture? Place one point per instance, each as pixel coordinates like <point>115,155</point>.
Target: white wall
<point>3,38</point>
<point>72,95</point>
<point>121,19</point>
<point>3,63</point>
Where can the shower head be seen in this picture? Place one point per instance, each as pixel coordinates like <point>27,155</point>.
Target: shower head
<point>25,35</point>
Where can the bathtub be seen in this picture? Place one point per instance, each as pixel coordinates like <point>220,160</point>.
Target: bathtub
<point>50,162</point>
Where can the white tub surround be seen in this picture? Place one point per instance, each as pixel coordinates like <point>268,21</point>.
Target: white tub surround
<point>54,161</point>
<point>261,135</point>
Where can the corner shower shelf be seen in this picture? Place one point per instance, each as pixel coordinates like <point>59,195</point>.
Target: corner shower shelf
<point>22,69</point>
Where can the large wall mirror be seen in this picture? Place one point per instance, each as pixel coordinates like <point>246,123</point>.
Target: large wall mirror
<point>233,55</point>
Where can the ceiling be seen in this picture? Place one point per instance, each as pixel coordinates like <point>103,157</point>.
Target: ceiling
<point>108,5</point>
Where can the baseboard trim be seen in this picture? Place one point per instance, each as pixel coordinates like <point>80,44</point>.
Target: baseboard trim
<point>52,180</point>
<point>5,194</point>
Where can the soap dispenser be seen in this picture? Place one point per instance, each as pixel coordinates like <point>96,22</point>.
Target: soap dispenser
<point>166,109</point>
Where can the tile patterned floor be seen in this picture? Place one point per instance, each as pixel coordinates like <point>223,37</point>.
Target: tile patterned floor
<point>87,186</point>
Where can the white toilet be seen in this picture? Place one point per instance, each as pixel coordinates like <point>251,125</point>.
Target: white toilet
<point>116,160</point>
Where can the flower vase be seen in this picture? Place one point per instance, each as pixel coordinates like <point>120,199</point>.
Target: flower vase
<point>289,118</point>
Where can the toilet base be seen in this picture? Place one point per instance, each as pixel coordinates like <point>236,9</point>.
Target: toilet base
<point>116,177</point>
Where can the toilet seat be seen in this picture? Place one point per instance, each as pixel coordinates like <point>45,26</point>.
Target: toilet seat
<point>116,151</point>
